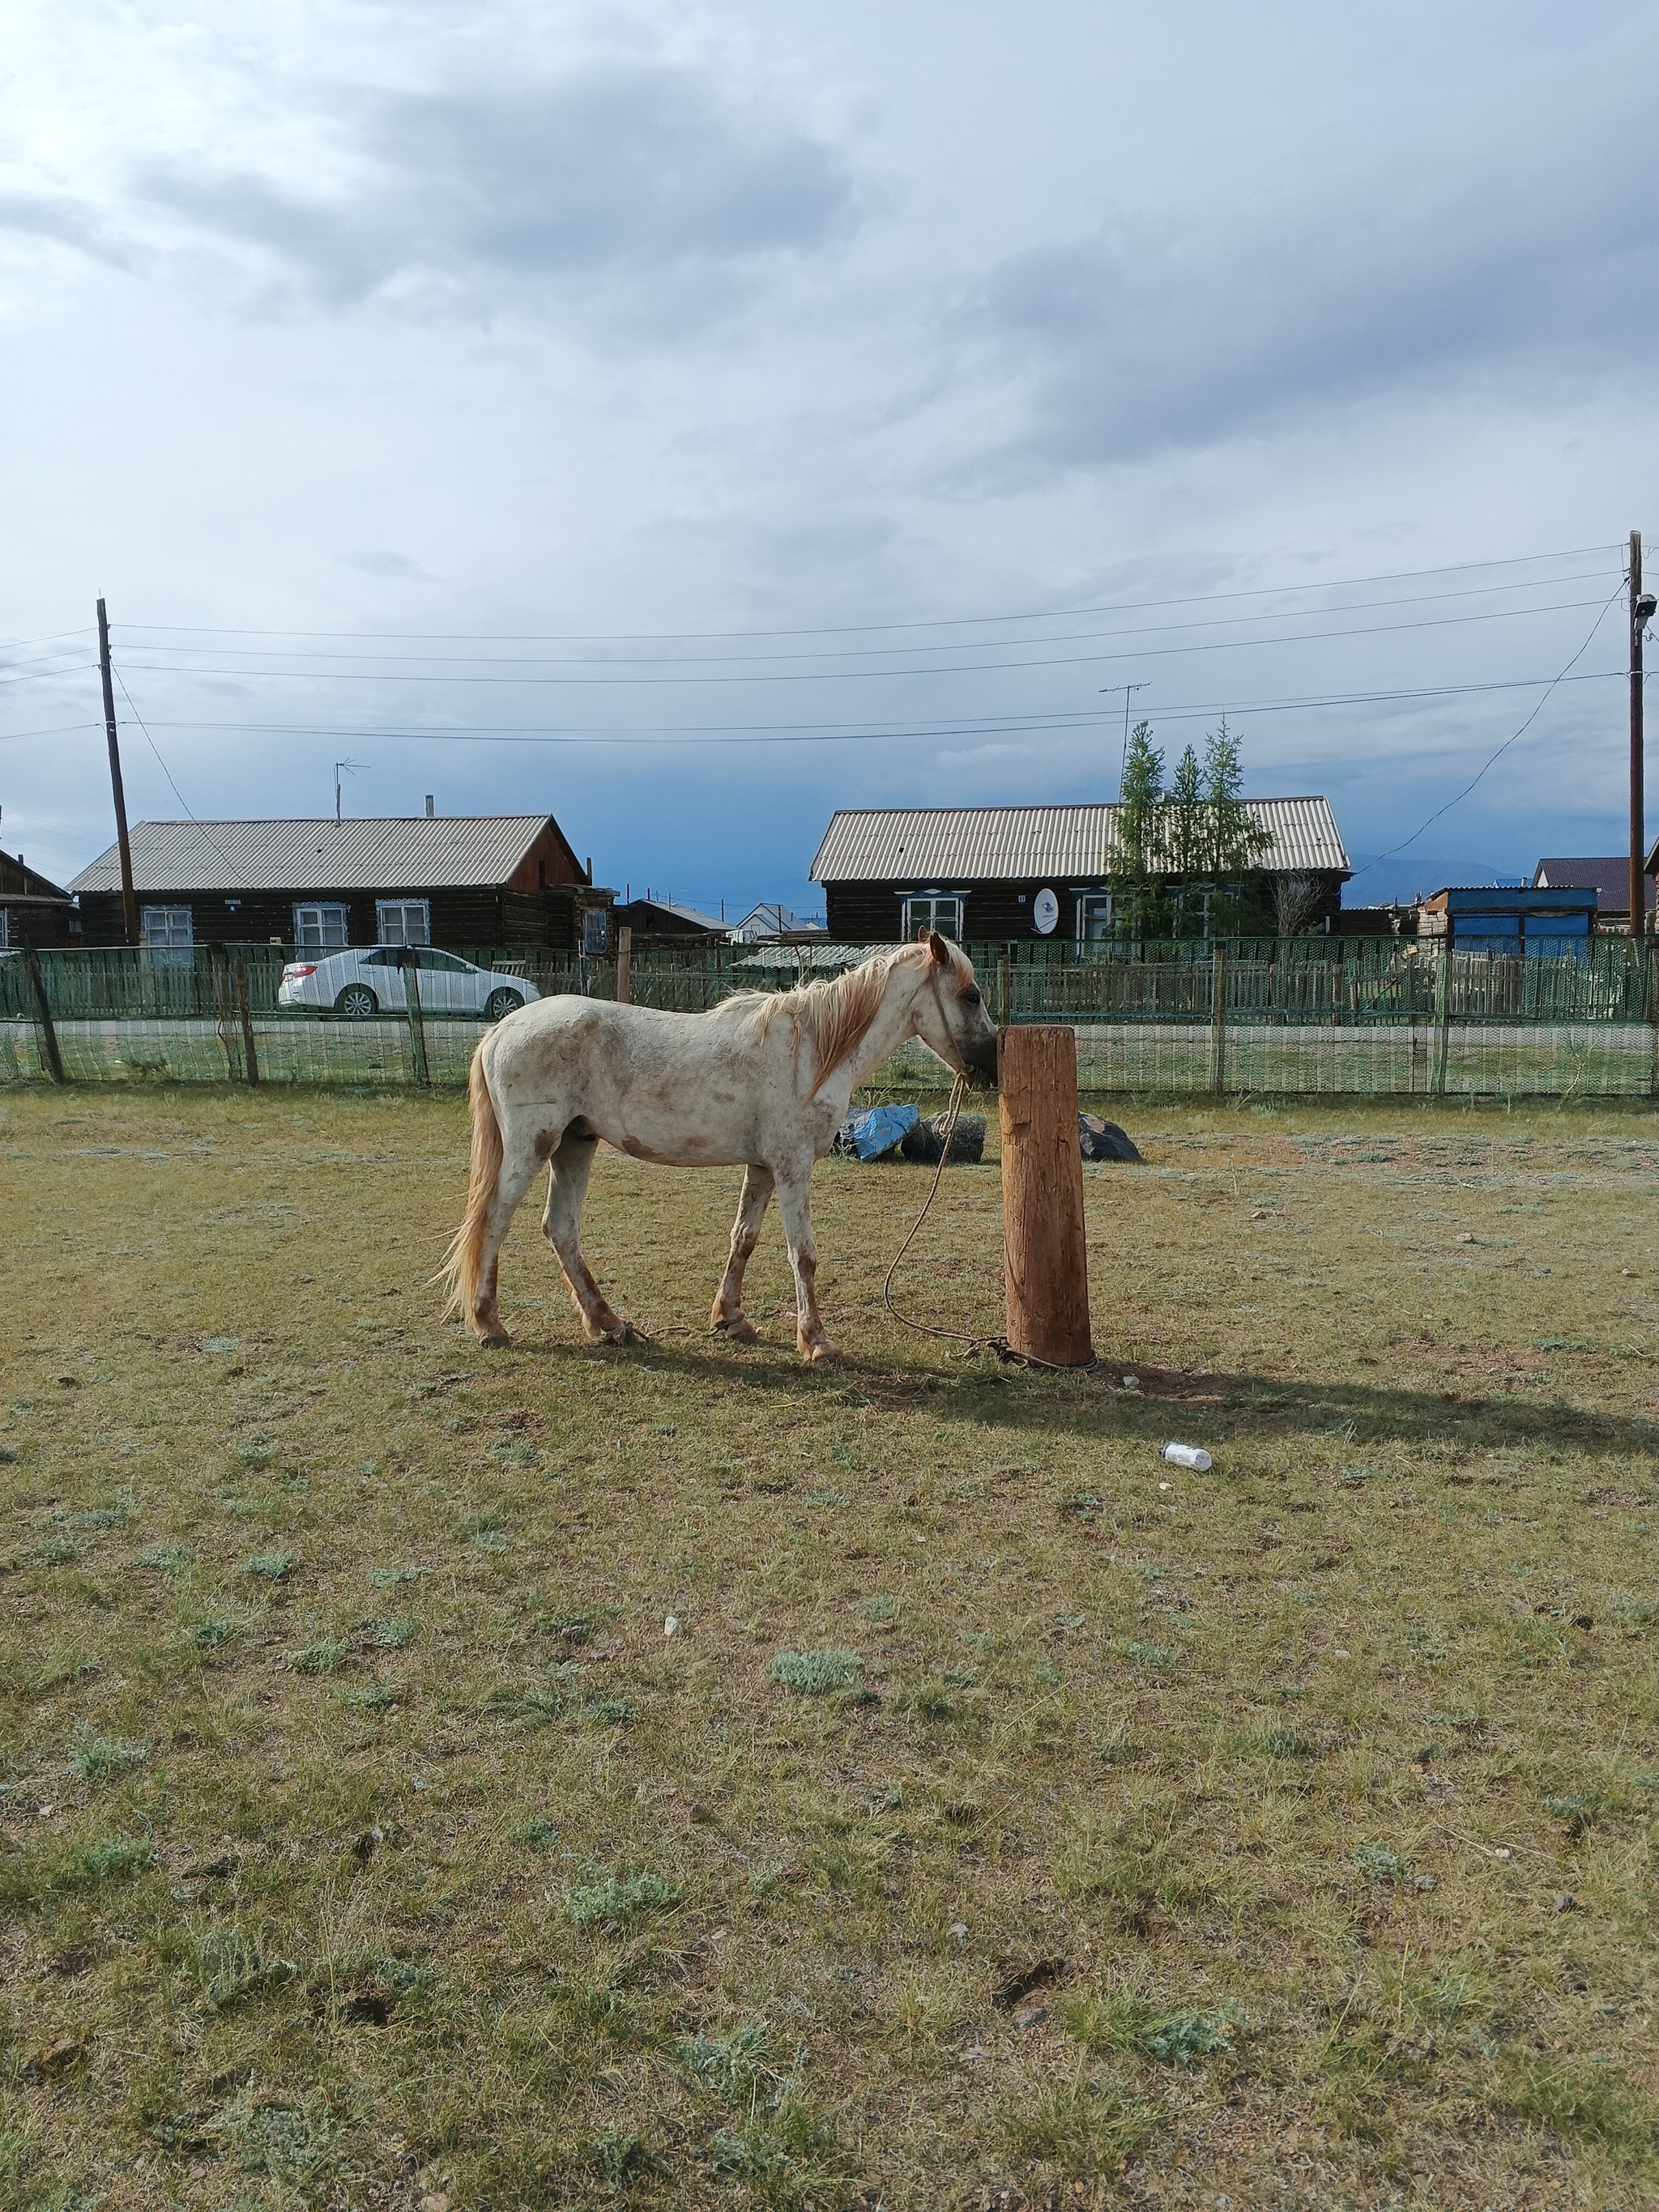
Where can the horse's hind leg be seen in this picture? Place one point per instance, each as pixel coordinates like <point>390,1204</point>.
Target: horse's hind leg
<point>561,1225</point>
<point>728,1316</point>
<point>519,1161</point>
<point>795,1205</point>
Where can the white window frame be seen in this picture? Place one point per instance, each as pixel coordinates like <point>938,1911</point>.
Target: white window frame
<point>167,928</point>
<point>392,922</point>
<point>316,936</point>
<point>1087,904</point>
<point>596,932</point>
<point>5,928</point>
<point>927,910</point>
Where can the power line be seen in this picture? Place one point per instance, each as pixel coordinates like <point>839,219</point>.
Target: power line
<point>696,734</point>
<point>167,772</point>
<point>850,629</point>
<point>1537,710</point>
<point>865,653</point>
<point>36,675</point>
<point>57,730</point>
<point>20,644</point>
<point>868,675</point>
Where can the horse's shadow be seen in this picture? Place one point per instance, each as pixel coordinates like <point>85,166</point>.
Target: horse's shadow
<point>984,1390</point>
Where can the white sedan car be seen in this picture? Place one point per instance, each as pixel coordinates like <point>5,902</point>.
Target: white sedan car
<point>361,984</point>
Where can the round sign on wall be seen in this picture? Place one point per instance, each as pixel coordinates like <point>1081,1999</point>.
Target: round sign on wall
<point>1045,912</point>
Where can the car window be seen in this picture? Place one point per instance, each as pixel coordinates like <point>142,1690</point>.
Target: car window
<point>446,962</point>
<point>382,959</point>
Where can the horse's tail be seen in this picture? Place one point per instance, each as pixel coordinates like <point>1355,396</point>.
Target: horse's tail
<point>461,1263</point>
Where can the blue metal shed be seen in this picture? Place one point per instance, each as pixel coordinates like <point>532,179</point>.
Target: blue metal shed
<point>1488,918</point>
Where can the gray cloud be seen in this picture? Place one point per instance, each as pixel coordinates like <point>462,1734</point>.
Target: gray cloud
<point>611,178</point>
<point>65,221</point>
<point>1535,272</point>
<point>394,568</point>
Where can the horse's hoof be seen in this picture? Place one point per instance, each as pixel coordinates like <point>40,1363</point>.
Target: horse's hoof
<point>739,1328</point>
<point>497,1340</point>
<point>611,1332</point>
<point>824,1353</point>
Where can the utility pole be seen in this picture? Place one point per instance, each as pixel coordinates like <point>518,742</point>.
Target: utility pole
<point>1641,613</point>
<point>129,896</point>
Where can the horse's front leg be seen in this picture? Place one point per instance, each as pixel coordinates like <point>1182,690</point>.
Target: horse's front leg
<point>795,1205</point>
<point>566,1186</point>
<point>728,1316</point>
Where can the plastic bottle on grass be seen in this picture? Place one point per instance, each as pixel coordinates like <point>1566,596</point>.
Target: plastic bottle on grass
<point>1191,1456</point>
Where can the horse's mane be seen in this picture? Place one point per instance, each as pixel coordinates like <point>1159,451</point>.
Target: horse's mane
<point>833,1017</point>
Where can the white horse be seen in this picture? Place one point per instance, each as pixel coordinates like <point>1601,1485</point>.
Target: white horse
<point>762,1080</point>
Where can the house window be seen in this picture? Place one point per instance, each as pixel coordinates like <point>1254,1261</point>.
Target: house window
<point>320,929</point>
<point>595,931</point>
<point>167,928</point>
<point>403,921</point>
<point>933,910</point>
<point>5,928</point>
<point>1094,917</point>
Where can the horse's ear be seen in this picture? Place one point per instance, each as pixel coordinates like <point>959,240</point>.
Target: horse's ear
<point>939,948</point>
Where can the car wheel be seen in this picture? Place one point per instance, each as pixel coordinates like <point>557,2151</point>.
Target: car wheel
<point>357,1002</point>
<point>500,1004</point>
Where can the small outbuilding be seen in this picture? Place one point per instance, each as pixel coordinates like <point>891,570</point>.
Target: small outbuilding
<point>34,910</point>
<point>1498,918</point>
<point>321,885</point>
<point>664,921</point>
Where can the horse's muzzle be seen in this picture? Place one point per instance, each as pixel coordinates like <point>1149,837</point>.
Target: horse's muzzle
<point>981,1064</point>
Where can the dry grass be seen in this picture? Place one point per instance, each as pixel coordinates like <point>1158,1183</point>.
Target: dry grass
<point>1278,1835</point>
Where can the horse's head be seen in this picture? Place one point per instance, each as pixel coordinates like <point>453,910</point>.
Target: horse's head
<point>951,1016</point>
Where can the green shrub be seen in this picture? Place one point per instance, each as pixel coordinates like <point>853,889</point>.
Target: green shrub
<point>231,1962</point>
<point>101,1759</point>
<point>619,1899</point>
<point>817,1674</point>
<point>275,1566</point>
<point>115,1859</point>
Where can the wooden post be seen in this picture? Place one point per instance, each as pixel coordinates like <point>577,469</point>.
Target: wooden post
<point>249,1056</point>
<point>1004,1004</point>
<point>230,1043</point>
<point>129,896</point>
<point>1641,610</point>
<point>1045,1255</point>
<point>409,964</point>
<point>1441,1018</point>
<point>49,1051</point>
<point>625,966</point>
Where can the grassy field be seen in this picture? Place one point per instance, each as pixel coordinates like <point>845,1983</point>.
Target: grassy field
<point>1010,1817</point>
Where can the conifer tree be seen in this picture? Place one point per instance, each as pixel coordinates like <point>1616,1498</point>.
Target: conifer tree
<point>1135,864</point>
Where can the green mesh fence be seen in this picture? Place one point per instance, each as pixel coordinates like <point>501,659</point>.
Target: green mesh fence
<point>1366,1017</point>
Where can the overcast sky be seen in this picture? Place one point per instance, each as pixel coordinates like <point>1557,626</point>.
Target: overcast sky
<point>443,386</point>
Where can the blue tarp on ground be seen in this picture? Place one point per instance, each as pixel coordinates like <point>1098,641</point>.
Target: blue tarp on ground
<point>877,1131</point>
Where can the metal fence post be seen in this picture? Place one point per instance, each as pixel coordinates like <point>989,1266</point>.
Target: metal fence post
<point>49,1051</point>
<point>409,964</point>
<point>1218,1019</point>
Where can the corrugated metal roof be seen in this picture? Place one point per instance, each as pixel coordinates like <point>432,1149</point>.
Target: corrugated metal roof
<point>977,844</point>
<point>394,852</point>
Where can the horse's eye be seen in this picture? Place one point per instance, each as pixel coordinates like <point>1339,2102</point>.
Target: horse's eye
<point>970,997</point>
